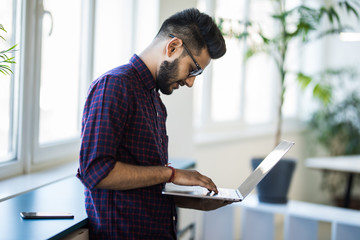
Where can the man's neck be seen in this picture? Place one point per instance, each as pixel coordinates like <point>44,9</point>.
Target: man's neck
<point>152,57</point>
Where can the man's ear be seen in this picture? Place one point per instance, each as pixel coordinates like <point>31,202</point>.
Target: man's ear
<point>173,47</point>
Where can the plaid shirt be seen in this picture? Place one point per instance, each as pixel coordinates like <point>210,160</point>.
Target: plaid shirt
<point>124,120</point>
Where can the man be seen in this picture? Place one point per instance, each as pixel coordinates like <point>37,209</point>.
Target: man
<point>124,152</point>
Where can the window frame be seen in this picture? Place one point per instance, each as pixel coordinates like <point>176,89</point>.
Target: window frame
<point>207,130</point>
<point>30,155</point>
<point>13,165</point>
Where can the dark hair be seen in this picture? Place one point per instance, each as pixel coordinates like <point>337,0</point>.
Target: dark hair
<point>197,30</point>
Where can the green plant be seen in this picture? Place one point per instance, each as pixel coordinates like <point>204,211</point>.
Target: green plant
<point>301,22</point>
<point>5,60</point>
<point>337,128</point>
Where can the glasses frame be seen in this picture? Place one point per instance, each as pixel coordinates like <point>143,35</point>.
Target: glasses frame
<point>199,70</point>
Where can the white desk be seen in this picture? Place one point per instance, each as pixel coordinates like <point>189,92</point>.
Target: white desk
<point>346,164</point>
<point>349,164</point>
<point>301,220</point>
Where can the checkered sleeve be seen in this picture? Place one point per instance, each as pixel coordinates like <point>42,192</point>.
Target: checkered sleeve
<point>104,118</point>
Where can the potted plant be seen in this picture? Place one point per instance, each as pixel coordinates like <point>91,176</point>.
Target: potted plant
<point>304,23</point>
<point>337,128</point>
<point>5,60</point>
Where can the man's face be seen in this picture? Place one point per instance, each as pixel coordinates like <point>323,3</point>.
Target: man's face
<point>173,74</point>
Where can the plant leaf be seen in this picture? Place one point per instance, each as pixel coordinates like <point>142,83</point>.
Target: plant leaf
<point>249,53</point>
<point>304,80</point>
<point>349,8</point>
<point>323,93</point>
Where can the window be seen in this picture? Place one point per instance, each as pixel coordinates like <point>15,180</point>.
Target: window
<point>62,47</point>
<point>60,71</point>
<point>56,105</point>
<point>116,45</point>
<point>109,41</point>
<point>8,84</point>
<point>238,95</point>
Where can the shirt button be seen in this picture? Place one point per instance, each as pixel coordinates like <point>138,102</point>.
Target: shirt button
<point>174,218</point>
<point>160,140</point>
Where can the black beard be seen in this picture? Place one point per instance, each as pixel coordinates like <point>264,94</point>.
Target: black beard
<point>167,73</point>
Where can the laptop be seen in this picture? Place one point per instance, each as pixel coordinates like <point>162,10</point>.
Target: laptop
<point>233,195</point>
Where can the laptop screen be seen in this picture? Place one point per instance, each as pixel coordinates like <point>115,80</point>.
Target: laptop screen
<point>264,167</point>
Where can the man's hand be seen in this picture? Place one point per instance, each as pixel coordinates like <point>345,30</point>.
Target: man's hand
<point>199,203</point>
<point>193,178</point>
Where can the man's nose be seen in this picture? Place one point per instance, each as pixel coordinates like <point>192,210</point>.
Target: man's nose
<point>190,81</point>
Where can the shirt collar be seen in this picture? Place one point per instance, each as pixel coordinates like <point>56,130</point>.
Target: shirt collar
<point>143,71</point>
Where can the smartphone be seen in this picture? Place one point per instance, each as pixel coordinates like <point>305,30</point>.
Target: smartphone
<point>46,215</point>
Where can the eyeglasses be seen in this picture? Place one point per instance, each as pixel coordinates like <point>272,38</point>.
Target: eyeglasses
<point>199,70</point>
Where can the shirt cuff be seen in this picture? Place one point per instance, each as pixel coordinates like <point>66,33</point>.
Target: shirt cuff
<point>94,173</point>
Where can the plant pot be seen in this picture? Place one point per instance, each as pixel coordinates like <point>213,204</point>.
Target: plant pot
<point>274,187</point>
<point>353,204</point>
